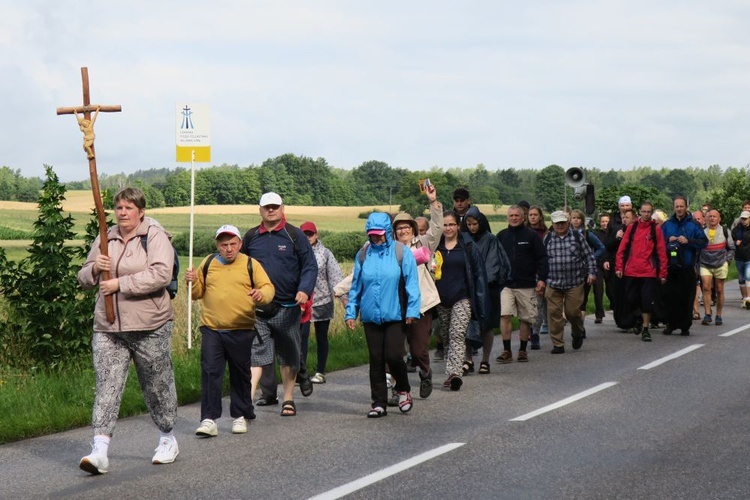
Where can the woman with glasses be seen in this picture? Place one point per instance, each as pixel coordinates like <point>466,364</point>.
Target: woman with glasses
<point>463,294</point>
<point>418,333</point>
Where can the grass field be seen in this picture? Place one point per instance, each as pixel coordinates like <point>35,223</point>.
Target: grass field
<point>21,216</point>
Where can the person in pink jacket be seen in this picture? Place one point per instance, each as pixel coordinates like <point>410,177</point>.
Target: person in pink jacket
<point>140,259</point>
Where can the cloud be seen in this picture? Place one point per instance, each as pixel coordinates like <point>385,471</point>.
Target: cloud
<point>608,84</point>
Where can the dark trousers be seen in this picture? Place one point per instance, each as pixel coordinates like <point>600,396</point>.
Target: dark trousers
<point>217,350</point>
<point>386,344</point>
<point>679,294</point>
<point>321,339</point>
<point>599,293</point>
<point>418,335</point>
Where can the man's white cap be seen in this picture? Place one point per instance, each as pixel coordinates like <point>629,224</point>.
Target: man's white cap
<point>559,216</point>
<point>270,198</point>
<point>625,199</point>
<point>228,229</point>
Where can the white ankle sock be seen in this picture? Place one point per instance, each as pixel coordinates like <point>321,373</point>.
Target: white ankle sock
<point>101,443</point>
<point>167,435</point>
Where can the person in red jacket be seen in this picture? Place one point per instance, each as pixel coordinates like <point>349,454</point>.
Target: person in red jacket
<point>642,265</point>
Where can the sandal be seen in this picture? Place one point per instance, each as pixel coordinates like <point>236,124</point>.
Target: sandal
<point>696,315</point>
<point>468,367</point>
<point>484,368</point>
<point>377,412</point>
<point>288,409</point>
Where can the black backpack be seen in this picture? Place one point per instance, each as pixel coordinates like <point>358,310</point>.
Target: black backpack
<point>172,286</point>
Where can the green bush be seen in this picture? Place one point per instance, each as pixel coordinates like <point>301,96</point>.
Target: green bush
<point>204,243</point>
<point>344,245</point>
<point>48,320</point>
<point>365,215</point>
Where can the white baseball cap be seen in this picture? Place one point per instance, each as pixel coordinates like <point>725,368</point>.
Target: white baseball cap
<point>270,198</point>
<point>228,229</point>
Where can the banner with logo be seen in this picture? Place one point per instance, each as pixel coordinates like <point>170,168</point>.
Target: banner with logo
<point>193,129</point>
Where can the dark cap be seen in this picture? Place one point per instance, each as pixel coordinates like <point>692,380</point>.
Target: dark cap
<point>461,193</point>
<point>524,204</point>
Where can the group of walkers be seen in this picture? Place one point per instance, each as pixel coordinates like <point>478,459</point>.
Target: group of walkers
<point>447,276</point>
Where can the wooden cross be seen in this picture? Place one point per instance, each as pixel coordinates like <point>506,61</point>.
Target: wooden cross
<point>86,125</point>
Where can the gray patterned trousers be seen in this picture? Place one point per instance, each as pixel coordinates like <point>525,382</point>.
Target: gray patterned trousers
<point>151,353</point>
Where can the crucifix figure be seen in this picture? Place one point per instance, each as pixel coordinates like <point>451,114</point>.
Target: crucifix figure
<point>86,124</point>
<point>87,127</point>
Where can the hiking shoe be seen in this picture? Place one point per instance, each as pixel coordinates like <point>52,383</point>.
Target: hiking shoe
<point>439,355</point>
<point>667,331</point>
<point>685,333</point>
<point>207,428</point>
<point>166,452</point>
<point>318,378</point>
<point>95,462</point>
<point>706,320</point>
<point>578,342</point>
<point>598,321</point>
<point>534,341</point>
<point>522,357</point>
<point>306,386</point>
<point>718,321</point>
<point>645,335</point>
<point>505,357</point>
<point>267,401</point>
<point>239,425</point>
<point>425,385</point>
<point>405,402</point>
<point>558,349</point>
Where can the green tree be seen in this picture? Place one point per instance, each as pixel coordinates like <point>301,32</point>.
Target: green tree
<point>607,198</point>
<point>734,190</point>
<point>46,308</point>
<point>551,188</point>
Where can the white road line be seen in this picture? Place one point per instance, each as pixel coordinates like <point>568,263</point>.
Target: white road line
<point>671,357</point>
<point>736,330</point>
<point>384,473</point>
<point>566,401</point>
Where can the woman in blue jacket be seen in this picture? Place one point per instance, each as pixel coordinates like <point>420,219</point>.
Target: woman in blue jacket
<point>385,294</point>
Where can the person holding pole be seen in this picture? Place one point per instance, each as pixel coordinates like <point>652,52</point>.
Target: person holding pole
<point>142,330</point>
<point>230,285</point>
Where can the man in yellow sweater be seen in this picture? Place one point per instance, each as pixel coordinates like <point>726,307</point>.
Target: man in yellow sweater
<point>230,287</point>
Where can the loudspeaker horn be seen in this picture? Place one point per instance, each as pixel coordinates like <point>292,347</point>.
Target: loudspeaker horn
<point>575,177</point>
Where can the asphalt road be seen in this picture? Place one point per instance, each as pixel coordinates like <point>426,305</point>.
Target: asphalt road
<point>618,419</point>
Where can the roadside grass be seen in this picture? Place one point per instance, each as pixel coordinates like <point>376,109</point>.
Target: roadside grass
<point>35,404</point>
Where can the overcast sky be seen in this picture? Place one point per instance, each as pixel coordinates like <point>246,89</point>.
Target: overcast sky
<point>607,84</point>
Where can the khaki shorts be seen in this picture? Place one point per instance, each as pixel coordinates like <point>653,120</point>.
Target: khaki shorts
<point>719,273</point>
<point>519,302</point>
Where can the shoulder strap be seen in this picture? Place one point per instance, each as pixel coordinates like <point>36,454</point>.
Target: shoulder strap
<point>213,256</point>
<point>546,238</point>
<point>291,231</point>
<point>205,267</point>
<point>144,242</point>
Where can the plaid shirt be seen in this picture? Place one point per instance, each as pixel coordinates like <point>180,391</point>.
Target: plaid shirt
<point>570,260</point>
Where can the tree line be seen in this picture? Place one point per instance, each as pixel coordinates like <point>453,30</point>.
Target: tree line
<point>303,180</point>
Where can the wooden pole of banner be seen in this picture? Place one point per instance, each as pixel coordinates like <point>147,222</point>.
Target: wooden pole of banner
<point>190,252</point>
<point>86,124</point>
